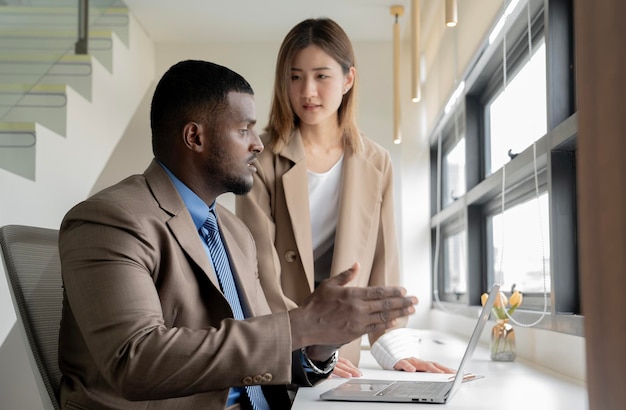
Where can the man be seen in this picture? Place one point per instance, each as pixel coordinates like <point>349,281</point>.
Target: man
<point>164,309</point>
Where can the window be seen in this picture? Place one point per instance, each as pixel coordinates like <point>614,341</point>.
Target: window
<point>509,132</point>
<point>506,177</point>
<point>455,264</point>
<point>454,172</point>
<point>521,227</point>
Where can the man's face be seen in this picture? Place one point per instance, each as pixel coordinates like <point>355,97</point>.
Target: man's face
<point>234,145</point>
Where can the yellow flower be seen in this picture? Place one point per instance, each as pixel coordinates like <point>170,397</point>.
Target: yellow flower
<point>516,298</point>
<point>501,302</point>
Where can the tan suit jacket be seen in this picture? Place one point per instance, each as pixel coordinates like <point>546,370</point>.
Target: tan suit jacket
<point>277,213</point>
<point>145,325</point>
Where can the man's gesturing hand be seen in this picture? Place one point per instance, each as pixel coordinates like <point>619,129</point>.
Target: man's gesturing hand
<point>336,314</point>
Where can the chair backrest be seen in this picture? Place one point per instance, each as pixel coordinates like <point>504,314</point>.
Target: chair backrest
<point>33,269</point>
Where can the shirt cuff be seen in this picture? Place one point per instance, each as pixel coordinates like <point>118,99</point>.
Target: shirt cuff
<point>311,366</point>
<point>395,345</point>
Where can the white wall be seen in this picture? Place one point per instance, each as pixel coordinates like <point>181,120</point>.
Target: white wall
<point>66,169</point>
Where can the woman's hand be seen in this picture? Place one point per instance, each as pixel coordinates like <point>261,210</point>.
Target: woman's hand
<point>413,364</point>
<point>345,368</point>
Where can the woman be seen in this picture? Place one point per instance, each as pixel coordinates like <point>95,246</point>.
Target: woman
<point>322,198</point>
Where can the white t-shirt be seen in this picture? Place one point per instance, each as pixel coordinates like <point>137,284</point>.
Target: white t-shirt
<point>324,189</point>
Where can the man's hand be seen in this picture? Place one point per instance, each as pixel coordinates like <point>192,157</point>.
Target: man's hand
<point>336,314</point>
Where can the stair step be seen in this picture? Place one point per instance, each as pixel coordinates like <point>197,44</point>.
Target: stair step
<point>74,70</point>
<point>26,40</point>
<point>59,15</point>
<point>17,148</point>
<point>37,47</point>
<point>14,63</point>
<point>43,103</point>
<point>65,18</point>
<point>72,3</point>
<point>24,95</point>
<point>9,130</point>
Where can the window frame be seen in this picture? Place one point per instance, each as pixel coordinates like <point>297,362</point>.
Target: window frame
<point>552,22</point>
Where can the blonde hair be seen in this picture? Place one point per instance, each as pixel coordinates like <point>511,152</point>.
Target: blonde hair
<point>330,37</point>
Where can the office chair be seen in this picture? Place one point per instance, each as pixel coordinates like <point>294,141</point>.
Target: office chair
<point>33,270</point>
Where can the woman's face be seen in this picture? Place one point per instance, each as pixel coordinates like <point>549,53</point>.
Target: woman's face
<point>316,86</point>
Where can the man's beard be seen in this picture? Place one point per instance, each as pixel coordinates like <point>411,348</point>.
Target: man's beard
<point>237,185</point>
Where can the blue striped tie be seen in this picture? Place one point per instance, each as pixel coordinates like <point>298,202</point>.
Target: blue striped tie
<point>221,265</point>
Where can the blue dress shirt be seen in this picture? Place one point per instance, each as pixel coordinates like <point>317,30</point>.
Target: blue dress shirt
<point>199,211</point>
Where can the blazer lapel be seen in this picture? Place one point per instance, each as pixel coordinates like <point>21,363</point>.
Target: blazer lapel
<point>297,199</point>
<point>180,223</point>
<point>243,271</point>
<point>360,197</point>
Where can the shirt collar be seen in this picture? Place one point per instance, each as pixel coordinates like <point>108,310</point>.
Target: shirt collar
<point>198,209</point>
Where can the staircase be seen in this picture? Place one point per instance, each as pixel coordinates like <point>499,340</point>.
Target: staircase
<point>62,114</point>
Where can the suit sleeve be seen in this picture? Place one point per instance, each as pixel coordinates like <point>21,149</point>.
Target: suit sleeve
<point>113,269</point>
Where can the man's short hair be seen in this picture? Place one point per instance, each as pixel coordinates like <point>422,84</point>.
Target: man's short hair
<point>190,90</point>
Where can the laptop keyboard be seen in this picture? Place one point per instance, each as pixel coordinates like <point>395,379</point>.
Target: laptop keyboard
<point>419,389</point>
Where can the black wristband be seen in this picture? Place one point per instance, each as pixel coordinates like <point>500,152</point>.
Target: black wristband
<point>320,367</point>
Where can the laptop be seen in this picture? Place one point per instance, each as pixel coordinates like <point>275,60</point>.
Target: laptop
<point>414,391</point>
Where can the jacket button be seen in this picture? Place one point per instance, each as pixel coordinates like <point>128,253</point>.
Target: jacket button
<point>247,380</point>
<point>267,377</point>
<point>290,256</point>
<point>258,379</point>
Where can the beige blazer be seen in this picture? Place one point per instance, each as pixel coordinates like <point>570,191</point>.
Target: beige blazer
<point>145,325</point>
<point>277,213</point>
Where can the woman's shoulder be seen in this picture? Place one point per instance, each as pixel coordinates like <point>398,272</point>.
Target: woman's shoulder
<point>270,163</point>
<point>373,151</point>
<point>292,150</point>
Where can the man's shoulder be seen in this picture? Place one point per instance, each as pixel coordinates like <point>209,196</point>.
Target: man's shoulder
<point>138,190</point>
<point>117,195</point>
<point>131,196</point>
<point>131,189</point>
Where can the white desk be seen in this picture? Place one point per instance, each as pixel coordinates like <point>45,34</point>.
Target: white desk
<point>506,386</point>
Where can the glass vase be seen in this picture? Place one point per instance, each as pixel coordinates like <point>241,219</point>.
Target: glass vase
<point>503,341</point>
